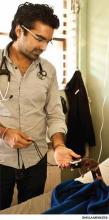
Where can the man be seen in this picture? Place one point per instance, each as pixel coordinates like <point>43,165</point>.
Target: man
<point>30,106</point>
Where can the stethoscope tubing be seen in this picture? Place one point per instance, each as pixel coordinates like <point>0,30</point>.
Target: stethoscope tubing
<point>3,98</point>
<point>42,74</point>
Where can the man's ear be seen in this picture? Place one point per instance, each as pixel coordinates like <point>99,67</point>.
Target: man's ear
<point>18,31</point>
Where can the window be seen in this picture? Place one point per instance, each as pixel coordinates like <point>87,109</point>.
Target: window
<point>63,51</point>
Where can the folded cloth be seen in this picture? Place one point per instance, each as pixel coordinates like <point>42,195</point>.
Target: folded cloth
<point>75,197</point>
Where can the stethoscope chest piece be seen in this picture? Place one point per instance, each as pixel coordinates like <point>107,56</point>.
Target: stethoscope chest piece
<point>42,73</point>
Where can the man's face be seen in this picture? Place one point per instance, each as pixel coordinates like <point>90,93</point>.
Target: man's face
<point>35,41</point>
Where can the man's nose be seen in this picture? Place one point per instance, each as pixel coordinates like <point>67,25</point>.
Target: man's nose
<point>43,45</point>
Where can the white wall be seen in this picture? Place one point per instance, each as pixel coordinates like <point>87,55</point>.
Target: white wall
<point>96,67</point>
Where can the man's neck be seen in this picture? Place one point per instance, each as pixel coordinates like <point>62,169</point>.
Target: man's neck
<point>19,59</point>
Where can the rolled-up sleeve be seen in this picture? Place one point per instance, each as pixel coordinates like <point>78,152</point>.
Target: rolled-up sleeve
<point>55,116</point>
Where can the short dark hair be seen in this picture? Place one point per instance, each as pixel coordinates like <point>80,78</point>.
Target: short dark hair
<point>27,14</point>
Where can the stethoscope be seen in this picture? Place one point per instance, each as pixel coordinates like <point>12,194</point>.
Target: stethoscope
<point>6,72</point>
<point>42,74</point>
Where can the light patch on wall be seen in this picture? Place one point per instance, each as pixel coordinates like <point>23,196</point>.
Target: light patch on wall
<point>56,59</point>
<point>8,9</point>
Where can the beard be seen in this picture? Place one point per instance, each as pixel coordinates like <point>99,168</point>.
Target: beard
<point>33,55</point>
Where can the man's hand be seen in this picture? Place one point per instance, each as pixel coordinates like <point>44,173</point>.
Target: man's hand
<point>16,139</point>
<point>63,156</point>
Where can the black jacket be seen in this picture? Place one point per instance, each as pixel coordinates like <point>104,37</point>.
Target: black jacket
<point>79,123</point>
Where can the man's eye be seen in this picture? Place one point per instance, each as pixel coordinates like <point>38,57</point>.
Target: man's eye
<point>39,39</point>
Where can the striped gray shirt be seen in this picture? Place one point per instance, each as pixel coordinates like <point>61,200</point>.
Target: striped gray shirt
<point>35,109</point>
